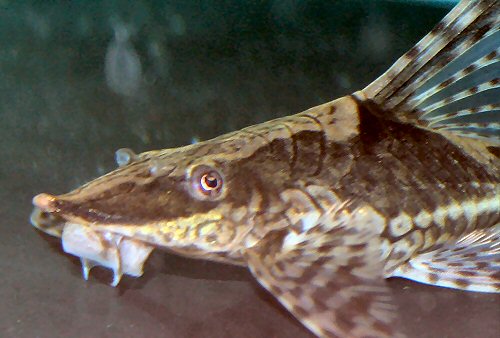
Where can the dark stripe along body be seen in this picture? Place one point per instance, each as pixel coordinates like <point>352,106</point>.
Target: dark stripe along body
<point>399,179</point>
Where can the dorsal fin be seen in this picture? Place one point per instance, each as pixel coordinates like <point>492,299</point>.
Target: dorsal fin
<point>450,80</point>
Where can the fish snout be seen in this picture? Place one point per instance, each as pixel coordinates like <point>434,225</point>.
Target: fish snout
<point>44,202</point>
<point>43,216</point>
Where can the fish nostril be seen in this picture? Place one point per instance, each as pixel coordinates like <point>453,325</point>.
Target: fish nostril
<point>45,202</point>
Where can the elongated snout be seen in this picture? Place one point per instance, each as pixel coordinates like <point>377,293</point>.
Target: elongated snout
<point>44,202</point>
<point>43,216</point>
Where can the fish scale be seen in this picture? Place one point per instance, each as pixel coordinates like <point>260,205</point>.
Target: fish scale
<point>400,179</point>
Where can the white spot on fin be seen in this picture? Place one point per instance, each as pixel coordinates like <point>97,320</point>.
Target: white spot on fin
<point>400,225</point>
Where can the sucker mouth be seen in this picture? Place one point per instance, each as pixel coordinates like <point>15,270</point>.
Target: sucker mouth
<point>119,253</point>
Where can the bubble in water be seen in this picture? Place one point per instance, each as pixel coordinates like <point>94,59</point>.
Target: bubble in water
<point>39,24</point>
<point>84,26</point>
<point>177,24</point>
<point>124,156</point>
<point>159,57</point>
<point>284,12</point>
<point>122,67</point>
<point>376,37</point>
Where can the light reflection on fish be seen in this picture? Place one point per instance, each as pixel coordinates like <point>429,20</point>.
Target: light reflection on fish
<point>398,179</point>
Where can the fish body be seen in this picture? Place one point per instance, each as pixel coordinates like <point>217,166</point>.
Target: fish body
<point>398,179</point>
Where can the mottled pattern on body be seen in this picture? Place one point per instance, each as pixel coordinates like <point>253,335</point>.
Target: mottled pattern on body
<point>400,179</point>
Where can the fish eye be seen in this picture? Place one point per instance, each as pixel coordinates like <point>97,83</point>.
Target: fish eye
<point>206,183</point>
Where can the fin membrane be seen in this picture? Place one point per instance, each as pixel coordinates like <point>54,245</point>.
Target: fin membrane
<point>329,277</point>
<point>472,263</point>
<point>450,80</point>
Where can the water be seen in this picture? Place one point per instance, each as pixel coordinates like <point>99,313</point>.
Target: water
<point>184,72</point>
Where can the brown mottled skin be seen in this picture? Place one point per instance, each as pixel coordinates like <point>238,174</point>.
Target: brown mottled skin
<point>323,205</point>
<point>388,165</point>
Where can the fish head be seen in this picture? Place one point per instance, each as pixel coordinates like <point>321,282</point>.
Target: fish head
<point>200,200</point>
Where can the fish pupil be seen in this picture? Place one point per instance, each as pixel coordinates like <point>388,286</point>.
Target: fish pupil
<point>209,182</point>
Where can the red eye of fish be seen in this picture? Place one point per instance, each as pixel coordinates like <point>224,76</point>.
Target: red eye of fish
<point>206,182</point>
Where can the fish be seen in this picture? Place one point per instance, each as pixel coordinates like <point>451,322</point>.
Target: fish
<point>399,179</point>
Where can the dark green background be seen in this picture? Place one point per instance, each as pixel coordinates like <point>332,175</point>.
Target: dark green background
<point>235,63</point>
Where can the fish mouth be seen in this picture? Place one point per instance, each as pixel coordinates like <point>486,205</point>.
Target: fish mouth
<point>121,254</point>
<point>47,222</point>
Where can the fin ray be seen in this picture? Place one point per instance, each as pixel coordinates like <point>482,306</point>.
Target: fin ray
<point>452,72</point>
<point>331,279</point>
<point>472,263</point>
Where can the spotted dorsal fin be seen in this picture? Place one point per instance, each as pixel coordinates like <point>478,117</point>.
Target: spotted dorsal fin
<point>449,81</point>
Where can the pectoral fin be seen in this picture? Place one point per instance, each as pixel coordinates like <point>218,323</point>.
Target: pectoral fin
<point>330,278</point>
